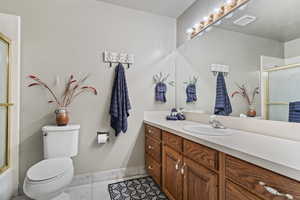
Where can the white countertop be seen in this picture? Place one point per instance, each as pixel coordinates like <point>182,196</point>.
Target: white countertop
<point>276,154</point>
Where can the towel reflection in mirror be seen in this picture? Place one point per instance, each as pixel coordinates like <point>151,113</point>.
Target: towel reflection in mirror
<point>191,89</point>
<point>161,86</point>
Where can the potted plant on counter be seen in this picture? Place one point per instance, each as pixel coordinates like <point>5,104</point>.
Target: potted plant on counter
<point>73,89</point>
<point>243,91</point>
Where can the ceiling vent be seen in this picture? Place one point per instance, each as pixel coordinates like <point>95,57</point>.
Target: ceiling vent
<point>245,20</point>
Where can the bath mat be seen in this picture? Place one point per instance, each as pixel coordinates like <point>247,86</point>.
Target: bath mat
<point>136,189</point>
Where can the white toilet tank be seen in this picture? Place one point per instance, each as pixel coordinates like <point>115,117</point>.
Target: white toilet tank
<point>60,141</point>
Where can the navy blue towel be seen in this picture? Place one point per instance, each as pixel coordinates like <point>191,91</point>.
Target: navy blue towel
<point>120,105</point>
<point>160,92</point>
<point>294,112</point>
<point>223,105</point>
<point>191,95</point>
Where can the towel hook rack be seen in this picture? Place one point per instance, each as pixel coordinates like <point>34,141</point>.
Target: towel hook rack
<point>123,58</point>
<point>218,68</point>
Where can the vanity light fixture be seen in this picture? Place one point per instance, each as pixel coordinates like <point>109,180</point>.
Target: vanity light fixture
<point>224,11</point>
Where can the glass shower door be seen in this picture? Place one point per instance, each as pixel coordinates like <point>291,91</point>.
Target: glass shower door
<point>4,102</point>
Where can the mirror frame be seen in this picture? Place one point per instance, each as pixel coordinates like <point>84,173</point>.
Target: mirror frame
<point>8,105</point>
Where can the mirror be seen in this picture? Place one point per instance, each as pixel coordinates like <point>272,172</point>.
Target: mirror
<point>256,49</point>
<point>4,102</point>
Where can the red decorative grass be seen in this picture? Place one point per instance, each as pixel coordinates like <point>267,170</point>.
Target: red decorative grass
<point>72,90</point>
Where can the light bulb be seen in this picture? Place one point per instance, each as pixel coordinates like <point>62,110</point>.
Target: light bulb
<point>217,10</point>
<point>229,2</point>
<point>189,31</point>
<point>196,26</point>
<point>205,18</point>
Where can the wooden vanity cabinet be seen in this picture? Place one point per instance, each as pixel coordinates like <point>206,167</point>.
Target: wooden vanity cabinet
<point>172,177</point>
<point>184,178</point>
<point>190,171</point>
<point>153,152</point>
<point>198,182</point>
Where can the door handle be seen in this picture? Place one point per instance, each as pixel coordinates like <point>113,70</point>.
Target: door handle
<point>274,191</point>
<point>177,164</point>
<point>6,104</point>
<point>182,169</point>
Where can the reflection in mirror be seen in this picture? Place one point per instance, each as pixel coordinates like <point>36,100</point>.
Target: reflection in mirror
<point>256,47</point>
<point>4,102</point>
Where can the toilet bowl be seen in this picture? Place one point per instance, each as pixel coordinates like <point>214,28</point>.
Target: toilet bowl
<point>48,179</point>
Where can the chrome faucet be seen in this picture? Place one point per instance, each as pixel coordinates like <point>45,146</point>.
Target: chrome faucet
<point>216,123</point>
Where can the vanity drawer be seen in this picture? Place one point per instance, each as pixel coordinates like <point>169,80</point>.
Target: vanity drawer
<point>235,192</point>
<point>201,154</point>
<point>153,169</point>
<point>153,132</point>
<point>255,179</point>
<point>173,141</point>
<point>153,148</point>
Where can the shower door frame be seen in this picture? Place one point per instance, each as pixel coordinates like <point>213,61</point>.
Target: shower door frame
<point>7,105</point>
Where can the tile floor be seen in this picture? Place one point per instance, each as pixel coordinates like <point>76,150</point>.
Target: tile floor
<point>93,191</point>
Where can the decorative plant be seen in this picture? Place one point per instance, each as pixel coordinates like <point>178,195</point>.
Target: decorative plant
<point>192,81</point>
<point>72,90</point>
<point>160,78</point>
<point>243,91</point>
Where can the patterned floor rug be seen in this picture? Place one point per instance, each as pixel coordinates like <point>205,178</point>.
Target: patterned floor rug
<point>136,189</point>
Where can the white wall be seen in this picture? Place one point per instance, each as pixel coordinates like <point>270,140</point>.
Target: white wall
<point>241,52</point>
<point>10,26</point>
<point>68,37</point>
<point>292,48</point>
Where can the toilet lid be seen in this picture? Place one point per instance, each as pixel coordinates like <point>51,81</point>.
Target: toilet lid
<point>49,168</point>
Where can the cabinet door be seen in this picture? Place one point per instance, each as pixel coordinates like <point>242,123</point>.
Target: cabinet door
<point>172,178</point>
<point>235,192</point>
<point>199,182</point>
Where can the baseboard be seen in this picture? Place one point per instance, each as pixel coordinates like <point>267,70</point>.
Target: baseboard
<point>89,178</point>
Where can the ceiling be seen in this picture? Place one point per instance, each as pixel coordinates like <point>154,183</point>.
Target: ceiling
<point>170,8</point>
<point>276,19</point>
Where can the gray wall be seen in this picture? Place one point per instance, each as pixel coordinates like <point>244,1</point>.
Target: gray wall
<point>241,52</point>
<point>68,37</point>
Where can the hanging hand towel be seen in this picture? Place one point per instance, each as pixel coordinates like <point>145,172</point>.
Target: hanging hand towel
<point>294,112</point>
<point>160,92</point>
<point>223,105</point>
<point>120,105</point>
<point>191,93</point>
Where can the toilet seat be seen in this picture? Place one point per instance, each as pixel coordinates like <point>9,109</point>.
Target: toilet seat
<point>49,169</point>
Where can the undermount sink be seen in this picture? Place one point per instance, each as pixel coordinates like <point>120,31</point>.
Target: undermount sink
<point>208,130</point>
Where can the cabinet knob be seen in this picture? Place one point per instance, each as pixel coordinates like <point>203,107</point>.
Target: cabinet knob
<point>150,147</point>
<point>149,131</point>
<point>177,165</point>
<point>149,167</point>
<point>274,191</point>
<point>182,169</point>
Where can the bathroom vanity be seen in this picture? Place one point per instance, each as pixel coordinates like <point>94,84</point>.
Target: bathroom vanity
<point>188,170</point>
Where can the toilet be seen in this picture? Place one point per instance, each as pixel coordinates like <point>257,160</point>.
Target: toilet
<point>47,179</point>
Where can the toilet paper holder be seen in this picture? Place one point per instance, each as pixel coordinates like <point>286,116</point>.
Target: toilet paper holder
<point>103,133</point>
